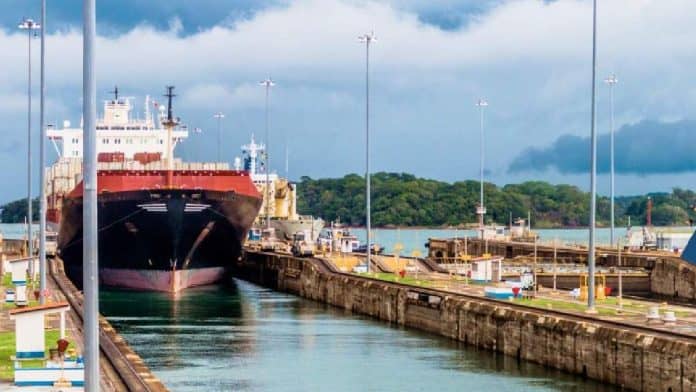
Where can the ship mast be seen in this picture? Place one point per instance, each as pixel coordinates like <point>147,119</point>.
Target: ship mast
<point>169,124</point>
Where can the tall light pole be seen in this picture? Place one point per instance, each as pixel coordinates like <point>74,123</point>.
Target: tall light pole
<point>593,170</point>
<point>90,267</point>
<point>268,83</point>
<point>611,81</point>
<point>481,209</point>
<point>219,116</point>
<point>42,164</point>
<point>29,25</point>
<point>367,39</point>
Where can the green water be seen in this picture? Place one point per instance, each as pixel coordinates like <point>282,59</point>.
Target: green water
<point>242,337</point>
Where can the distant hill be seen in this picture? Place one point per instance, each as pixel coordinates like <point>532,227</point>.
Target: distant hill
<point>401,199</point>
<point>406,200</point>
<point>16,211</point>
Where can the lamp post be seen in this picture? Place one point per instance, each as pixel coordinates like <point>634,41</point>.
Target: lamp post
<point>611,81</point>
<point>42,164</point>
<point>219,116</point>
<point>90,252</point>
<point>367,39</point>
<point>268,83</point>
<point>593,171</point>
<point>29,25</point>
<point>481,210</point>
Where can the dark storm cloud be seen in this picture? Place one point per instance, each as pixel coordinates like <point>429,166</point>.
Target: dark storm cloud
<point>648,147</point>
<point>116,17</point>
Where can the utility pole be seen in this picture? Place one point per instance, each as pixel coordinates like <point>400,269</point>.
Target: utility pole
<point>555,258</point>
<point>620,276</point>
<point>535,268</point>
<point>481,210</point>
<point>219,116</point>
<point>611,81</point>
<point>90,280</point>
<point>29,25</point>
<point>593,171</point>
<point>268,83</point>
<point>42,163</point>
<point>367,39</point>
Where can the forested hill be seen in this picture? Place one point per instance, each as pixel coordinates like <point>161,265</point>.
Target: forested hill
<point>405,200</point>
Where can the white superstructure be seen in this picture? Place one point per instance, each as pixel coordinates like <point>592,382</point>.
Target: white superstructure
<point>282,195</point>
<point>118,132</point>
<point>252,164</point>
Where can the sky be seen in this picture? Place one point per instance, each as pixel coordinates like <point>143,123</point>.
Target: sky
<point>530,59</point>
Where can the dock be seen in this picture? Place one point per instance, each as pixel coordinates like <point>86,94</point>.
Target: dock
<point>121,368</point>
<point>621,348</point>
<point>667,276</point>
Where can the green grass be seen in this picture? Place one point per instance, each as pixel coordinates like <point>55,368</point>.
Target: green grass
<point>602,306</point>
<point>409,280</point>
<point>641,307</point>
<point>7,280</point>
<point>9,306</point>
<point>7,349</point>
<point>544,303</point>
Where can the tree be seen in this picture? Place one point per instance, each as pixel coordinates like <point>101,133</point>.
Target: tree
<point>16,211</point>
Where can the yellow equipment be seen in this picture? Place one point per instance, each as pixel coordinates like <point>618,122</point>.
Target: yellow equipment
<point>600,284</point>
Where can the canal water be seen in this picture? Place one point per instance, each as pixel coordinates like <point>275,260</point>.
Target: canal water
<point>242,337</point>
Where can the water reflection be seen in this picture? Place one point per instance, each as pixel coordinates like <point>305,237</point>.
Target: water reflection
<point>244,337</point>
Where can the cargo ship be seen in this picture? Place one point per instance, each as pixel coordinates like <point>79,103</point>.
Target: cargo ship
<point>164,224</point>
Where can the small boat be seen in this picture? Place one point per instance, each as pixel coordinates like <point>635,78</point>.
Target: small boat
<point>337,238</point>
<point>377,249</point>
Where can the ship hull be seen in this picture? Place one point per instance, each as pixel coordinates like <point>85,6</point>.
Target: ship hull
<point>160,280</point>
<point>161,240</point>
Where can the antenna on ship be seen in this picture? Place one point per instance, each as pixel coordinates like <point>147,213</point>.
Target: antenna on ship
<point>148,118</point>
<point>115,93</point>
<point>170,123</point>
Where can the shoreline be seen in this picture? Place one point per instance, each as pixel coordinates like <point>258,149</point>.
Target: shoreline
<point>682,228</point>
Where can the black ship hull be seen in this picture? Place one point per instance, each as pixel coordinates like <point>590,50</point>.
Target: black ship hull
<point>162,240</point>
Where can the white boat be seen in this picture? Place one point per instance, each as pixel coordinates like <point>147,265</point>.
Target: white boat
<point>338,239</point>
<point>286,228</point>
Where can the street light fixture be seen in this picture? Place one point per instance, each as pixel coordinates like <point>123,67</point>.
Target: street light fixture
<point>481,210</point>
<point>219,116</point>
<point>611,81</point>
<point>367,39</point>
<point>30,26</point>
<point>268,83</point>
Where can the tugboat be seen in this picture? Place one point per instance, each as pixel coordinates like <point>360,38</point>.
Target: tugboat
<point>164,224</point>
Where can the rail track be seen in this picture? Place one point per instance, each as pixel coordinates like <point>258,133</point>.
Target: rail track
<point>126,373</point>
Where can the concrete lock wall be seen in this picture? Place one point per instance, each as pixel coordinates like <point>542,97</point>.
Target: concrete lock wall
<point>624,357</point>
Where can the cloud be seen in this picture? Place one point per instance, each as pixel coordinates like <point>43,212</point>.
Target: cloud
<point>529,58</point>
<point>648,147</point>
<point>115,18</point>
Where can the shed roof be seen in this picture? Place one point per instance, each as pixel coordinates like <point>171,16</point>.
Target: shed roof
<point>37,308</point>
